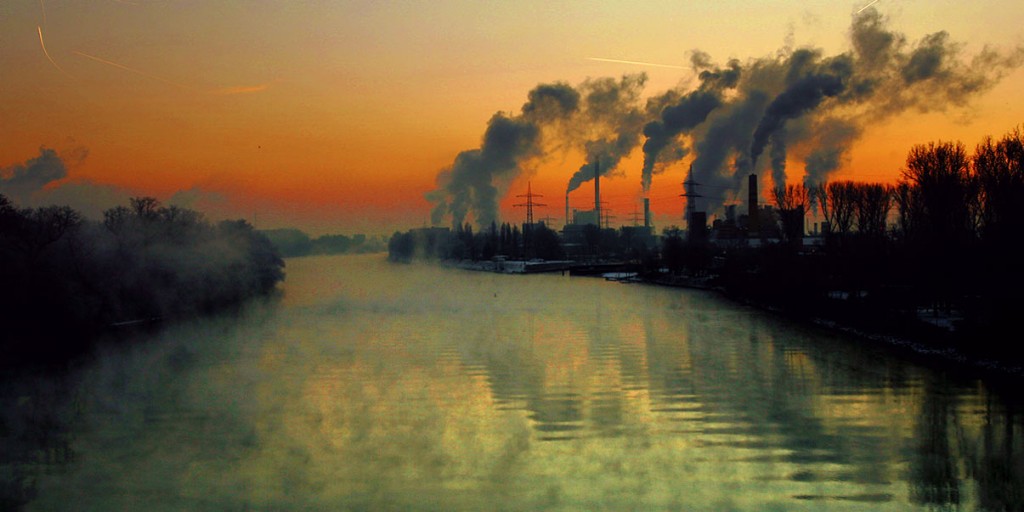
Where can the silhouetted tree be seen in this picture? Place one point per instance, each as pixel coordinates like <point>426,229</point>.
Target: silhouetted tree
<point>290,242</point>
<point>938,202</point>
<point>546,243</point>
<point>944,193</point>
<point>66,279</point>
<point>999,167</point>
<point>792,202</point>
<point>836,201</point>
<point>873,202</point>
<point>673,249</point>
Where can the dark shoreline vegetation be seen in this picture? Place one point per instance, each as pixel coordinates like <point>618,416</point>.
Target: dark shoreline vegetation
<point>934,260</point>
<point>67,280</point>
<point>294,243</point>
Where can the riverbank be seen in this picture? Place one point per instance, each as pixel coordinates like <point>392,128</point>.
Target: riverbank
<point>932,339</point>
<point>69,280</point>
<point>936,341</point>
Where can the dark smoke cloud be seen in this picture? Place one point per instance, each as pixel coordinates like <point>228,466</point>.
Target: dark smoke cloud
<point>685,113</point>
<point>798,104</point>
<point>551,102</point>
<point>927,61</point>
<point>470,185</point>
<point>612,119</point>
<point>778,156</point>
<point>804,95</point>
<point>728,133</point>
<point>474,182</point>
<point>831,143</point>
<point>690,111</point>
<point>713,77</point>
<point>892,75</point>
<point>601,117</point>
<point>20,182</point>
<point>818,105</point>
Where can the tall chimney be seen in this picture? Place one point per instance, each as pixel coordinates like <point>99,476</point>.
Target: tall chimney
<point>647,213</point>
<point>597,191</point>
<point>566,208</point>
<point>753,217</point>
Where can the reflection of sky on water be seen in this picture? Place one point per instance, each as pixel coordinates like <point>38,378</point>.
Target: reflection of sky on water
<point>394,387</point>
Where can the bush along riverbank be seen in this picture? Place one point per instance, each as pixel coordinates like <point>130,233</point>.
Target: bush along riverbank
<point>68,280</point>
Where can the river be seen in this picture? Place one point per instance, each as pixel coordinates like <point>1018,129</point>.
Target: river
<point>377,386</point>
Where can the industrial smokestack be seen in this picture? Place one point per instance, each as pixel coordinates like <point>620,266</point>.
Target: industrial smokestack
<point>566,208</point>
<point>597,191</point>
<point>753,220</point>
<point>647,213</point>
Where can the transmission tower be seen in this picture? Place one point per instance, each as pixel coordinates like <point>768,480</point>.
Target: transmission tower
<point>529,204</point>
<point>635,216</point>
<point>607,213</point>
<point>691,195</point>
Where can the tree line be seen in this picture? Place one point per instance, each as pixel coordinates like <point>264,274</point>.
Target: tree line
<point>462,243</point>
<point>944,241</point>
<point>68,279</point>
<point>292,243</point>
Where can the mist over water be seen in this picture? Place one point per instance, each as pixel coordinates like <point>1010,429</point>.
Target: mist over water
<point>373,386</point>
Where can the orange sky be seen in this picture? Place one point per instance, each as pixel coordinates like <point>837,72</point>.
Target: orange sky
<point>336,116</point>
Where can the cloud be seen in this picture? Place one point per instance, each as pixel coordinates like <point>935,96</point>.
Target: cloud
<point>20,182</point>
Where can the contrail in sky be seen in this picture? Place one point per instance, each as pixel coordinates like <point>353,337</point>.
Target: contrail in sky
<point>873,2</point>
<point>43,45</point>
<point>224,91</point>
<point>638,63</point>
<point>136,71</point>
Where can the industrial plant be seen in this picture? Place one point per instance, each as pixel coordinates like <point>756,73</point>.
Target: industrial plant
<point>878,256</point>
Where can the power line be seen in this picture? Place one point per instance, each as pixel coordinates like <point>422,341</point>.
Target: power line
<point>635,216</point>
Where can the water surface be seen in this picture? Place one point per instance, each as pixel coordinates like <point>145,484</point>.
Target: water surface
<point>372,386</point>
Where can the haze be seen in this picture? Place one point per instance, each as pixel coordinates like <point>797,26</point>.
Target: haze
<point>339,116</point>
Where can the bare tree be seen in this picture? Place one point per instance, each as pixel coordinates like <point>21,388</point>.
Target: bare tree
<point>819,193</point>
<point>999,168</point>
<point>41,227</point>
<point>873,202</point>
<point>791,197</point>
<point>837,201</point>
<point>909,208</point>
<point>941,174</point>
<point>792,202</point>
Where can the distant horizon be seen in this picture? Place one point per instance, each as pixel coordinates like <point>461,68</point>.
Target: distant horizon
<point>339,118</point>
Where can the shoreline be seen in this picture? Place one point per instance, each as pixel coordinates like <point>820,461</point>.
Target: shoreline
<point>935,353</point>
<point>980,366</point>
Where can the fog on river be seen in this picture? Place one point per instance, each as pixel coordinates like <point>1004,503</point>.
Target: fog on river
<point>378,386</point>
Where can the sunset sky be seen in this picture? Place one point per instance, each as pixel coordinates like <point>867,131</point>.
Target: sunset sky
<point>336,116</point>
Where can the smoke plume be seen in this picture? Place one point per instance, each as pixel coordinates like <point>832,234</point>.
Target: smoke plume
<point>611,119</point>
<point>799,104</point>
<point>600,117</point>
<point>684,114</point>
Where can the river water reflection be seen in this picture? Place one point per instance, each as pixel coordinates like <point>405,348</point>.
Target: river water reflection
<point>373,386</point>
